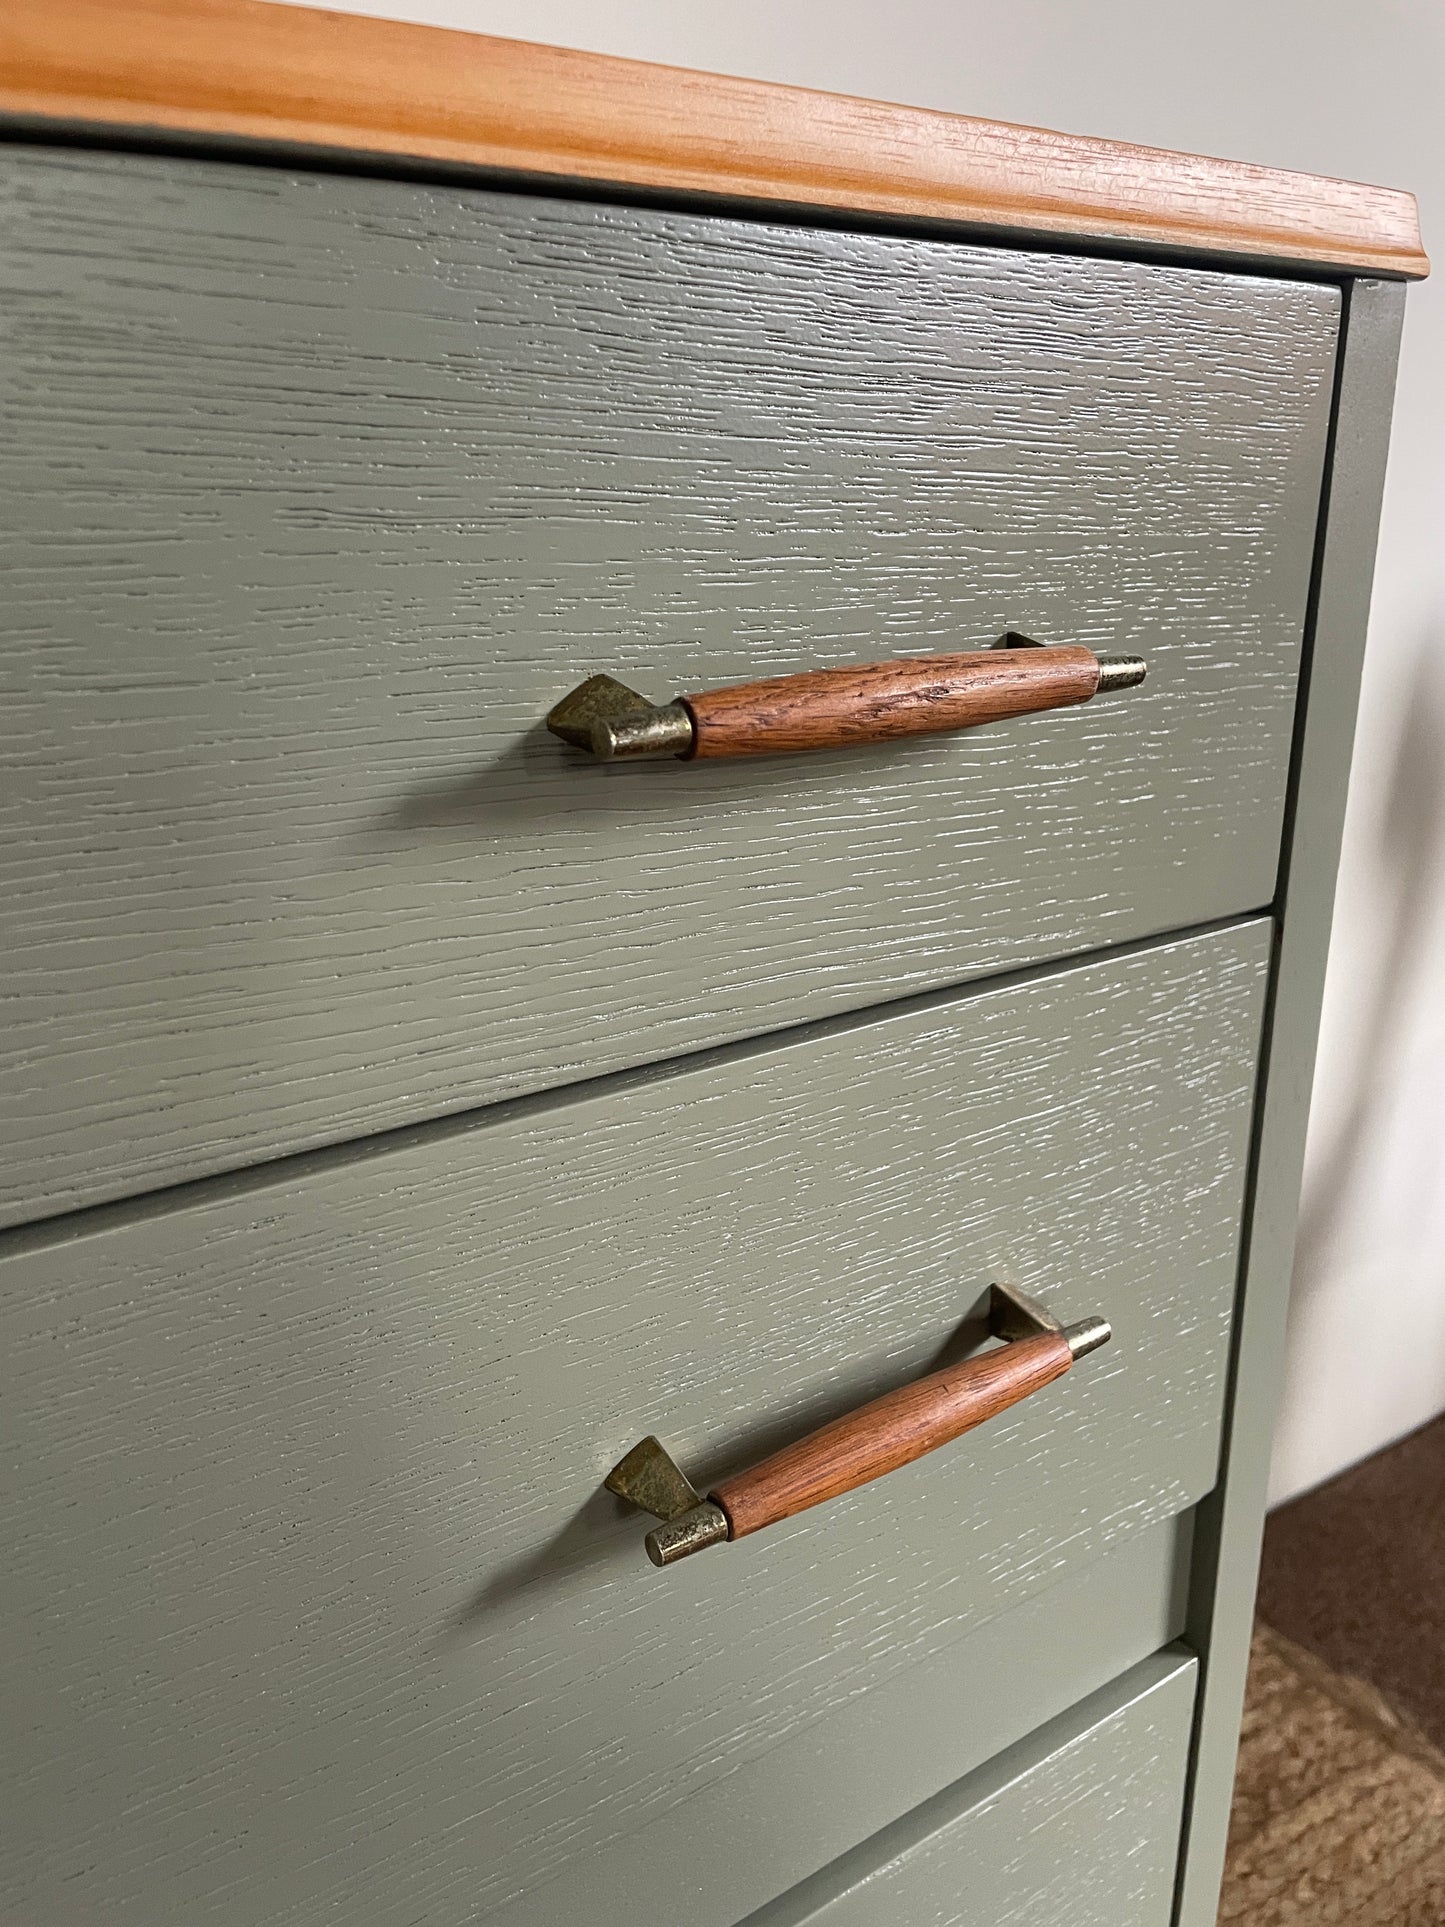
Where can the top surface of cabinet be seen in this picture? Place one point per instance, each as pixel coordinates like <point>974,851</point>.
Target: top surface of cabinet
<point>244,69</point>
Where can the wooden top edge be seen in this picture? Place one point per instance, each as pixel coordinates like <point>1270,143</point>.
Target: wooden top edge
<point>249,69</point>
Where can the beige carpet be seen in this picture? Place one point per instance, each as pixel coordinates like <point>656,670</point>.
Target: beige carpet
<point>1339,1805</point>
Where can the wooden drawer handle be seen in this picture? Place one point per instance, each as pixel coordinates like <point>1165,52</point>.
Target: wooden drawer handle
<point>878,1437</point>
<point>831,708</point>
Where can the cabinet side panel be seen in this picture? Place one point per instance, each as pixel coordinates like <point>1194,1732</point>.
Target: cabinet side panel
<point>1231,1521</point>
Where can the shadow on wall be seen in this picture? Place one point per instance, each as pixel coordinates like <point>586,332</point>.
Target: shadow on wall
<point>1343,1181</point>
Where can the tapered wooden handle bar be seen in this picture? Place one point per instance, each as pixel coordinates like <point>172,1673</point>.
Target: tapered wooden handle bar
<point>889,1432</point>
<point>830,708</point>
<point>877,701</point>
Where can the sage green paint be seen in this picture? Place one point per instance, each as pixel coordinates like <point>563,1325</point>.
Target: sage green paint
<point>316,1605</point>
<point>320,490</point>
<point>811,1798</point>
<point>324,487</point>
<point>1078,1826</point>
<point>1232,1521</point>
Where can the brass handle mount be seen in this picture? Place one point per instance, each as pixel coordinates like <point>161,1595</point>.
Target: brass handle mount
<point>830,708</point>
<point>878,1437</point>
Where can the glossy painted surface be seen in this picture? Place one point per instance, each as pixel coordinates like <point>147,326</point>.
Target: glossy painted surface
<point>322,490</point>
<point>317,1604</point>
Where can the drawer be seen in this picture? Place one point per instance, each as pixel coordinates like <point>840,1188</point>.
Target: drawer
<point>1076,1827</point>
<point>324,489</point>
<point>317,1596</point>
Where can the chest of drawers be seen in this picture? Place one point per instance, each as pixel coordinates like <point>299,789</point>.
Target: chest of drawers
<point>407,1112</point>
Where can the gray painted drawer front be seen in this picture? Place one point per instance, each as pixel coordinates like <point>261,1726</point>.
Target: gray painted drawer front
<point>1076,1827</point>
<point>317,1603</point>
<point>327,487</point>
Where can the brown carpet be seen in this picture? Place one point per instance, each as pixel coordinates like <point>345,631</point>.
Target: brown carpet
<point>1355,1572</point>
<point>1339,1807</point>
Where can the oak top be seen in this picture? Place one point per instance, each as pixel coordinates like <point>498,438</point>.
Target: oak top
<point>249,69</point>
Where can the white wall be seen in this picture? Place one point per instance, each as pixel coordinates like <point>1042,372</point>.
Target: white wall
<point>1331,87</point>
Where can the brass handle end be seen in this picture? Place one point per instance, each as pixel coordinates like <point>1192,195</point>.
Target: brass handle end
<point>606,717</point>
<point>705,1525</point>
<point>1121,672</point>
<point>1088,1335</point>
<point>663,731</point>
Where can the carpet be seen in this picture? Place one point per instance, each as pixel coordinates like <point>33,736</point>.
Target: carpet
<point>1355,1573</point>
<point>1339,1803</point>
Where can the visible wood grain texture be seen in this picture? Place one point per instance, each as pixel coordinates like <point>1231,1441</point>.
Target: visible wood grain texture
<point>878,1755</point>
<point>319,492</point>
<point>281,74</point>
<point>1077,1826</point>
<point>316,1606</point>
<point>880,701</point>
<point>888,1432</point>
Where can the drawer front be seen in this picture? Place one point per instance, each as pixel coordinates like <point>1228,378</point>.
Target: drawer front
<point>326,489</point>
<point>1076,1827</point>
<point>319,1593</point>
